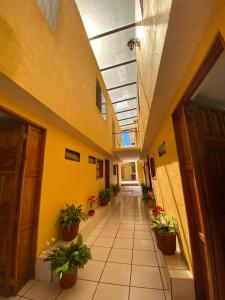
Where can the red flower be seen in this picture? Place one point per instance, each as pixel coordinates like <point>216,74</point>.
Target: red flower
<point>158,209</point>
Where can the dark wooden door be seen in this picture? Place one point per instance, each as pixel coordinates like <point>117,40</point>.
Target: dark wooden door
<point>149,172</point>
<point>117,174</point>
<point>107,173</point>
<point>25,250</point>
<point>200,137</point>
<point>11,160</point>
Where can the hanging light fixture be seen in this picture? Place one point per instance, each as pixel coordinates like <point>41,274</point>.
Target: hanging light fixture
<point>133,42</point>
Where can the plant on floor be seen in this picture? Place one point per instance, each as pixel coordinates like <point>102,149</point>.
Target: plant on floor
<point>69,219</point>
<point>115,189</point>
<point>65,261</point>
<point>165,228</point>
<point>149,199</point>
<point>92,200</point>
<point>145,189</point>
<point>104,196</point>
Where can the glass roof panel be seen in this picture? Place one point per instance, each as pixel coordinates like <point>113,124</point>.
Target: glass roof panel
<point>128,122</point>
<point>127,114</point>
<point>112,49</point>
<point>100,16</point>
<point>125,105</point>
<point>123,93</point>
<point>121,75</point>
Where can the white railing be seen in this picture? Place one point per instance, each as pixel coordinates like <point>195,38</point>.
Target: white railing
<point>126,139</point>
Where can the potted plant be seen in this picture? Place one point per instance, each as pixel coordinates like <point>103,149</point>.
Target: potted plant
<point>115,189</point>
<point>149,199</point>
<point>104,197</point>
<point>145,189</point>
<point>165,228</point>
<point>91,204</point>
<point>69,219</point>
<point>157,211</point>
<point>65,261</point>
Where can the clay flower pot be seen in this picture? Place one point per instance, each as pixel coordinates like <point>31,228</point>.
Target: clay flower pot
<point>104,201</point>
<point>68,279</point>
<point>91,212</point>
<point>69,234</point>
<point>115,193</point>
<point>166,242</point>
<point>151,203</point>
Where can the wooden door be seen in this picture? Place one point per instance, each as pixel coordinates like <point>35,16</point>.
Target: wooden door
<point>11,159</point>
<point>107,174</point>
<point>200,137</point>
<point>148,172</point>
<point>26,243</point>
<point>117,174</point>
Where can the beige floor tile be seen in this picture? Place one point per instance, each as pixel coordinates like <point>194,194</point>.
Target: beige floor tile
<point>92,271</point>
<point>83,290</point>
<point>112,227</point>
<point>96,232</point>
<point>123,243</point>
<point>108,233</point>
<point>116,273</point>
<point>144,258</point>
<point>26,287</point>
<point>127,222</point>
<point>146,235</point>
<point>43,290</point>
<point>143,244</point>
<point>146,294</point>
<point>111,292</point>
<point>100,253</point>
<point>90,241</point>
<point>120,256</point>
<point>125,233</point>
<point>141,222</point>
<point>103,242</point>
<point>168,295</point>
<point>142,227</point>
<point>148,277</point>
<point>126,227</point>
<point>165,278</point>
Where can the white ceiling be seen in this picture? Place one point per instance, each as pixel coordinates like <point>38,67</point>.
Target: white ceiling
<point>212,89</point>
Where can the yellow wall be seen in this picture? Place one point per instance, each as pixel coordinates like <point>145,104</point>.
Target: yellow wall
<point>56,67</point>
<point>168,183</point>
<point>63,181</point>
<point>140,171</point>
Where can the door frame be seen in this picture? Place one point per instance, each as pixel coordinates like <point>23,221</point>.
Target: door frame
<point>216,49</point>
<point>27,122</point>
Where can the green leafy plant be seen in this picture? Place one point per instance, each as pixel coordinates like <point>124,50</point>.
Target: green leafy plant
<point>66,259</point>
<point>115,188</point>
<point>71,215</point>
<point>106,193</point>
<point>164,224</point>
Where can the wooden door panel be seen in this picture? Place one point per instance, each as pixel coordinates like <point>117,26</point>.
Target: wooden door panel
<point>25,252</point>
<point>11,153</point>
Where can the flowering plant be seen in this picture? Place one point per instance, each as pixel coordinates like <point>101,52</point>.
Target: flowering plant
<point>158,210</point>
<point>91,202</point>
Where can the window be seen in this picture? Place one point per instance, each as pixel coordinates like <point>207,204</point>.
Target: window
<point>99,168</point>
<point>100,100</point>
<point>152,166</point>
<point>91,160</point>
<point>50,10</point>
<point>72,155</point>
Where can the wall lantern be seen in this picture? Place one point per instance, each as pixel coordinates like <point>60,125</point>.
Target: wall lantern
<point>133,42</point>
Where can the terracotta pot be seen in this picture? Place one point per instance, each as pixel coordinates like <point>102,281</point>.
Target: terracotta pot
<point>91,212</point>
<point>115,193</point>
<point>104,201</point>
<point>166,242</point>
<point>68,279</point>
<point>71,233</point>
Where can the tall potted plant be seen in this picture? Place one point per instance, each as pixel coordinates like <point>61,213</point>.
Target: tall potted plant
<point>65,261</point>
<point>115,189</point>
<point>69,219</point>
<point>165,228</point>
<point>104,197</point>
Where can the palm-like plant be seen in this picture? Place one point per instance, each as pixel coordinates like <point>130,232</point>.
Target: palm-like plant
<point>67,259</point>
<point>71,215</point>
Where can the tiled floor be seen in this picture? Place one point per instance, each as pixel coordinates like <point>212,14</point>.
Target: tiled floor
<point>124,264</point>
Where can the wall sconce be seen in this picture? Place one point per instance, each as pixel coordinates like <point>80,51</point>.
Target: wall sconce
<point>133,42</point>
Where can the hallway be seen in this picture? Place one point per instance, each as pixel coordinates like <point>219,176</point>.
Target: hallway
<point>124,260</point>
